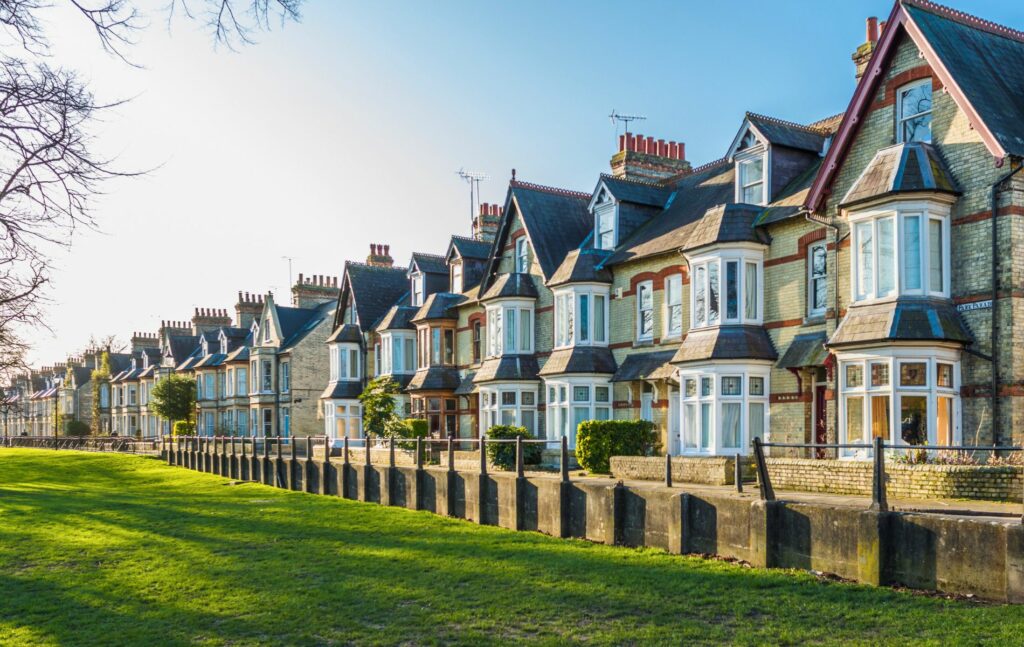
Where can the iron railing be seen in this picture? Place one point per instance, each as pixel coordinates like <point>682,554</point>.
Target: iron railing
<point>122,444</point>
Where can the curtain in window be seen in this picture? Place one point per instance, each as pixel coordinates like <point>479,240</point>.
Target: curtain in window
<point>855,419</point>
<point>880,416</point>
<point>755,426</point>
<point>731,424</point>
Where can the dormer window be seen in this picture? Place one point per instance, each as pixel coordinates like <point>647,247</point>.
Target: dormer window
<point>457,277</point>
<point>266,332</point>
<point>914,112</point>
<point>751,164</point>
<point>417,289</point>
<point>522,256</point>
<point>605,219</point>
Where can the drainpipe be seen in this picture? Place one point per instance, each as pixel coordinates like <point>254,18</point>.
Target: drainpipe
<point>809,216</point>
<point>995,303</point>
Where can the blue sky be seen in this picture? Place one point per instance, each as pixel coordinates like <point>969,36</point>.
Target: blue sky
<point>348,128</point>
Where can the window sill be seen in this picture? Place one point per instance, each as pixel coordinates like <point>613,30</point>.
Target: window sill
<point>643,343</point>
<point>816,320</point>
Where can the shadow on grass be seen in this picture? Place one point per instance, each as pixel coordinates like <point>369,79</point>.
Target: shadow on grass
<point>104,546</point>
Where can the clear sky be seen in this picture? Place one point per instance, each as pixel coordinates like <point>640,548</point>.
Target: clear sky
<point>348,128</point>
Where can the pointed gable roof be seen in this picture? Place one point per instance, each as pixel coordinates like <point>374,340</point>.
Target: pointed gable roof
<point>428,263</point>
<point>468,248</point>
<point>643,192</point>
<point>980,64</point>
<point>374,290</point>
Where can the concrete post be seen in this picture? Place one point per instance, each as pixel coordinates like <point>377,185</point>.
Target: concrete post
<point>872,546</point>
<point>308,465</point>
<point>391,452</point>
<point>879,503</point>
<point>520,471</point>
<point>668,469</point>
<point>419,453</point>
<point>451,455</point>
<point>738,473</point>
<point>483,481</point>
<point>325,466</point>
<point>290,469</point>
<point>366,442</point>
<point>564,460</point>
<point>343,473</point>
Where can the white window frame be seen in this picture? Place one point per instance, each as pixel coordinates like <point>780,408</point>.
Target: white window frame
<point>746,157</point>
<point>928,211</point>
<point>522,257</point>
<point>394,353</point>
<point>286,377</point>
<point>901,118</point>
<point>673,299</point>
<point>714,401</point>
<point>700,271</point>
<point>493,406</point>
<point>645,286</point>
<point>457,277</point>
<point>813,312</point>
<point>569,322</point>
<point>417,288</point>
<point>500,326</point>
<point>893,358</point>
<point>560,411</point>
<point>608,210</point>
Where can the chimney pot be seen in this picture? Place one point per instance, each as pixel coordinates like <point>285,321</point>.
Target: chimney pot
<point>622,143</point>
<point>881,28</point>
<point>662,149</point>
<point>651,146</point>
<point>872,29</point>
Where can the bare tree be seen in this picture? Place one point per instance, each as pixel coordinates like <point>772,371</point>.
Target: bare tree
<point>49,169</point>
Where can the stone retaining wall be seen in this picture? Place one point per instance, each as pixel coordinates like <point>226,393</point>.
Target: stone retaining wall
<point>903,481</point>
<point>954,554</point>
<point>707,470</point>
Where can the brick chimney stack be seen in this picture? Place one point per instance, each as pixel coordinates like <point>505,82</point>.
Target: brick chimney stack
<point>646,158</point>
<point>485,224</point>
<point>175,329</point>
<point>311,291</point>
<point>141,340</point>
<point>380,256</point>
<point>207,319</point>
<point>862,56</point>
<point>248,309</point>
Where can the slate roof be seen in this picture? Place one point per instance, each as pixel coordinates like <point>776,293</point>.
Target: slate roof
<point>791,198</point>
<point>429,263</point>
<point>636,191</point>
<point>582,266</point>
<point>557,221</point>
<point>182,347</point>
<point>904,319</point>
<point>240,354</point>
<point>296,323</point>
<point>725,342</point>
<point>82,375</point>
<point>706,187</point>
<point>375,290</point>
<point>513,368</point>
<point>729,223</point>
<point>440,305</point>
<point>903,168</point>
<point>344,390</point>
<point>435,378</point>
<point>398,318</point>
<point>805,350</point>
<point>507,286</point>
<point>581,359</point>
<point>987,61</point>
<point>346,333</point>
<point>785,133</point>
<point>646,366</point>
<point>470,248</point>
<point>210,361</point>
<point>466,386</point>
<point>119,361</point>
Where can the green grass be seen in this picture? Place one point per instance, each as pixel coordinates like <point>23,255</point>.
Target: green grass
<point>122,550</point>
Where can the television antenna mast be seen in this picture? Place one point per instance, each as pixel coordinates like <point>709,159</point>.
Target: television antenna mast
<point>617,118</point>
<point>473,179</point>
<point>289,259</point>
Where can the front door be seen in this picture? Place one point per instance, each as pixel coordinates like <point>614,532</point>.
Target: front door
<point>820,430</point>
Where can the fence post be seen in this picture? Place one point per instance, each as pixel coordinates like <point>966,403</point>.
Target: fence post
<point>764,484</point>
<point>564,460</point>
<point>668,469</point>
<point>738,476</point>
<point>366,442</point>
<point>391,452</point>
<point>483,455</point>
<point>344,452</point>
<point>451,455</point>
<point>419,453</point>
<point>520,471</point>
<point>878,499</point>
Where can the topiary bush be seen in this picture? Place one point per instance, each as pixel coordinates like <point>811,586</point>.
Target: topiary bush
<point>598,440</point>
<point>184,428</point>
<point>411,428</point>
<point>503,455</point>
<point>76,428</point>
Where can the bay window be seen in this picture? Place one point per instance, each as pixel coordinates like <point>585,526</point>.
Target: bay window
<point>724,408</point>
<point>243,381</point>
<point>344,362</point>
<point>343,419</point>
<point>267,376</point>
<point>509,328</point>
<point>734,274</point>
<point>436,346</point>
<point>397,353</point>
<point>574,400</point>
<point>900,249</point>
<point>581,316</point>
<point>511,404</point>
<point>907,396</point>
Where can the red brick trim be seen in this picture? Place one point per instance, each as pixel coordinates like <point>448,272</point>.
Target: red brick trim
<point>783,323</point>
<point>1008,210</point>
<point>914,74</point>
<point>657,278</point>
<point>802,244</point>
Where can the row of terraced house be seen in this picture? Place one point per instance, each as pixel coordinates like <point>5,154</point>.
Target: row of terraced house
<point>840,280</point>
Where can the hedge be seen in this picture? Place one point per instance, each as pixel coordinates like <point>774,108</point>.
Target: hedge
<point>503,455</point>
<point>598,440</point>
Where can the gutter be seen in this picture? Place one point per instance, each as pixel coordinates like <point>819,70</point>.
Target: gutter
<point>994,336</point>
<point>810,217</point>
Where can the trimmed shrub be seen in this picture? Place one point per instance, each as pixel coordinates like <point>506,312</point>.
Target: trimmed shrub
<point>598,440</point>
<point>76,428</point>
<point>503,455</point>
<point>184,428</point>
<point>410,428</point>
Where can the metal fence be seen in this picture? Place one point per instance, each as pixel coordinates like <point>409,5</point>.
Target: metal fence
<point>84,443</point>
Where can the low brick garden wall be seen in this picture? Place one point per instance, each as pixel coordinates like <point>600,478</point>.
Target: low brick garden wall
<point>903,481</point>
<point>705,470</point>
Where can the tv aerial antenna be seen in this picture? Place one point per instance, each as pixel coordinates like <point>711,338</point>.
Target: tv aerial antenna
<point>617,118</point>
<point>473,179</point>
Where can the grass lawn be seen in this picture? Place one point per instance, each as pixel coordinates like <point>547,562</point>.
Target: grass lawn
<point>123,550</point>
